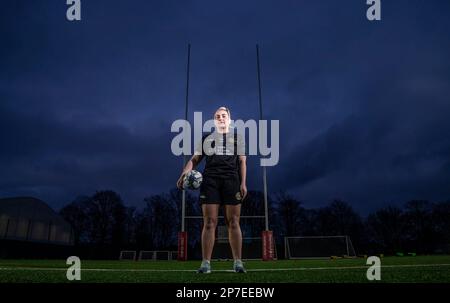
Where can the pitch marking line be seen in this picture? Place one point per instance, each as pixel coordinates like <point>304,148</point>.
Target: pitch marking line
<point>219,270</point>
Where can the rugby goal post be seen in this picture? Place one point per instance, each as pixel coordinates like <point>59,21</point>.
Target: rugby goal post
<point>182,242</point>
<point>252,249</point>
<point>267,242</point>
<point>318,247</point>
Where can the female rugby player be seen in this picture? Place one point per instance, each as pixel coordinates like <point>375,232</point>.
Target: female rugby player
<point>224,183</point>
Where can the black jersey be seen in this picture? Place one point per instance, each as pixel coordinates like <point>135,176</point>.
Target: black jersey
<point>221,152</point>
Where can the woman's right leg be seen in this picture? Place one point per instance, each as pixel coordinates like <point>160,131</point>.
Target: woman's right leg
<point>210,213</point>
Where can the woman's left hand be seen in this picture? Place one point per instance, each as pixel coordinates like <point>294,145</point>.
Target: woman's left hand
<point>243,190</point>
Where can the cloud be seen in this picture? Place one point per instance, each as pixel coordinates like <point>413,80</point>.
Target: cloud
<point>363,107</point>
<point>42,152</point>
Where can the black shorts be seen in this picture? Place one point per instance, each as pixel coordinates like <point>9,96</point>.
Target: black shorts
<point>220,191</point>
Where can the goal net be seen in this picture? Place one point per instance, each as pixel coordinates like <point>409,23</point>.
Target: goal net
<point>127,255</point>
<point>154,255</point>
<point>318,247</point>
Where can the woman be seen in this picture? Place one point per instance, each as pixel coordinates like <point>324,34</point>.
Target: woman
<point>224,183</point>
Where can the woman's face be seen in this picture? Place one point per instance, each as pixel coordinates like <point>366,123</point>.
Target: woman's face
<point>222,119</point>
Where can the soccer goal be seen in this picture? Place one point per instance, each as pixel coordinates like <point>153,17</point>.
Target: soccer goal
<point>154,255</point>
<point>318,247</point>
<point>129,255</point>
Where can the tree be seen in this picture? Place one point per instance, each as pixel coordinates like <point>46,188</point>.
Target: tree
<point>339,219</point>
<point>291,216</point>
<point>107,215</point>
<point>130,226</point>
<point>76,215</point>
<point>193,227</point>
<point>253,205</point>
<point>441,222</point>
<point>386,230</point>
<point>163,219</point>
<point>420,232</point>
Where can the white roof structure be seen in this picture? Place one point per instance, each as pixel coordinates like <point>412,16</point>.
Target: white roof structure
<point>30,219</point>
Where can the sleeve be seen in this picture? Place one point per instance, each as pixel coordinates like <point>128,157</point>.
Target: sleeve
<point>199,147</point>
<point>240,142</point>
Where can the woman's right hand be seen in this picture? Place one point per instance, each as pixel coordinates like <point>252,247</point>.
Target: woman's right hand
<point>180,181</point>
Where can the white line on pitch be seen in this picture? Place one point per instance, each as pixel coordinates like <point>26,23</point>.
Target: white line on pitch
<point>220,270</point>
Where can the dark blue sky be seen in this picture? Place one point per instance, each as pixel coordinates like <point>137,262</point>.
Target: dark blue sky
<point>363,107</point>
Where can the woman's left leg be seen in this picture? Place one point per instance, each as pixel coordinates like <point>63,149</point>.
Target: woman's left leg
<point>232,216</point>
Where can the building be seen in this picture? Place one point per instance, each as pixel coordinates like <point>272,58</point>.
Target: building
<point>27,223</point>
